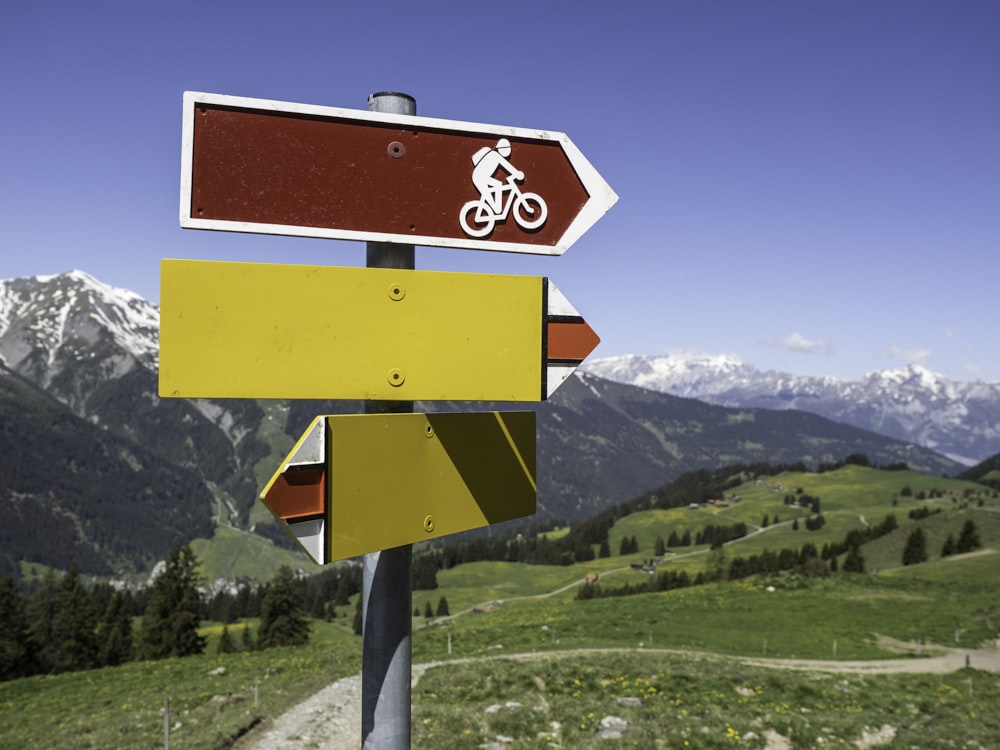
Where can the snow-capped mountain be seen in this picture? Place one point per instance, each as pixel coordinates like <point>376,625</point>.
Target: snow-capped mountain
<point>96,468</point>
<point>52,324</point>
<point>958,419</point>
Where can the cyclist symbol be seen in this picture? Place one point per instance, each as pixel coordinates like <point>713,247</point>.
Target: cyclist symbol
<point>498,195</point>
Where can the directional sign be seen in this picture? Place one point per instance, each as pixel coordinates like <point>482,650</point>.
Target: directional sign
<point>254,165</point>
<point>358,483</point>
<point>250,330</point>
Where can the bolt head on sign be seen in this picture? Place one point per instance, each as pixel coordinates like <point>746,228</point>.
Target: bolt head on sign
<point>255,165</point>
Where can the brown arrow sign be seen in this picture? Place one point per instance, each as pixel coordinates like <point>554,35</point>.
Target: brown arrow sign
<point>254,165</point>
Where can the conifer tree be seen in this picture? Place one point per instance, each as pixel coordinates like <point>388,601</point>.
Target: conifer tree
<point>170,623</point>
<point>948,548</point>
<point>114,634</point>
<point>428,612</point>
<point>442,608</point>
<point>246,638</point>
<point>854,562</point>
<point>74,624</point>
<point>343,596</point>
<point>916,548</point>
<point>715,569</point>
<point>424,573</point>
<point>15,646</point>
<point>282,621</point>
<point>226,645</point>
<point>41,609</point>
<point>659,547</point>
<point>605,550</point>
<point>968,540</point>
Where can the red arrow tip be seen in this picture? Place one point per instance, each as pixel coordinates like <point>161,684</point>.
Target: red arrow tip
<point>298,493</point>
<point>570,342</point>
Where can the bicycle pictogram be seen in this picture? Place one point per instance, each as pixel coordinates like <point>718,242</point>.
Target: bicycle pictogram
<point>498,197</point>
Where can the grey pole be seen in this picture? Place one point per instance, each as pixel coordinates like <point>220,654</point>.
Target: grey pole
<point>386,594</point>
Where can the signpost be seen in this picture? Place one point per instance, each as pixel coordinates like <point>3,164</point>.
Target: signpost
<point>451,472</point>
<point>372,484</point>
<point>255,165</point>
<point>237,330</point>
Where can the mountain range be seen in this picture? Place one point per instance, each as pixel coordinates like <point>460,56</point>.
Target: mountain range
<point>96,468</point>
<point>956,418</point>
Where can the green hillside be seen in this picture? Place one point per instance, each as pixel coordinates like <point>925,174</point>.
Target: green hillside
<point>703,660</point>
<point>850,498</point>
<point>853,499</point>
<point>233,553</point>
<point>987,472</point>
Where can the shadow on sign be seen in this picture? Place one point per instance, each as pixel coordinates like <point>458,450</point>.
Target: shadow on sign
<point>494,453</point>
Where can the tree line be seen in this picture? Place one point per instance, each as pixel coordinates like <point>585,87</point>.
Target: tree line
<point>63,626</point>
<point>805,560</point>
<point>531,544</point>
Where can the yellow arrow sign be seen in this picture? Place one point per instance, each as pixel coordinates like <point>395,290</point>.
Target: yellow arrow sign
<point>247,330</point>
<point>358,483</point>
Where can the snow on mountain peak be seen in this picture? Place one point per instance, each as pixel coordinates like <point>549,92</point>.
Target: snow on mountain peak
<point>51,313</point>
<point>687,372</point>
<point>959,419</point>
<point>912,377</point>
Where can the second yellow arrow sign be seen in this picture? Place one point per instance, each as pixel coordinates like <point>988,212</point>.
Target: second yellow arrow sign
<point>358,483</point>
<point>249,330</point>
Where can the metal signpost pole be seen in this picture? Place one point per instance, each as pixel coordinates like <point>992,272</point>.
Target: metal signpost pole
<point>386,593</point>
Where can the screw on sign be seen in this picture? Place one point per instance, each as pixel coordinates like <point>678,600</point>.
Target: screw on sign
<point>256,165</point>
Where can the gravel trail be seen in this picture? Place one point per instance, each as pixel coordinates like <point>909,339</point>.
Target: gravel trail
<point>331,719</point>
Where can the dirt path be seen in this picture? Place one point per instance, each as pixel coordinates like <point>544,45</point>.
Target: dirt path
<point>331,719</point>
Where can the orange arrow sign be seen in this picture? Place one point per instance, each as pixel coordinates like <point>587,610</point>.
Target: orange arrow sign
<point>450,472</point>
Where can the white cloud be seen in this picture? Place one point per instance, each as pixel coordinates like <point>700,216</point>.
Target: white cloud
<point>796,342</point>
<point>973,369</point>
<point>916,356</point>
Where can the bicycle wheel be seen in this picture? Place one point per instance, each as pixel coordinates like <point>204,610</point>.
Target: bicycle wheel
<point>476,219</point>
<point>530,211</point>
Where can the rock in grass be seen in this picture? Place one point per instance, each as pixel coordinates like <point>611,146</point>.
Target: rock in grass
<point>612,727</point>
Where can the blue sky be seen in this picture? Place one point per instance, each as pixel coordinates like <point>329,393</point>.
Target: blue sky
<point>814,187</point>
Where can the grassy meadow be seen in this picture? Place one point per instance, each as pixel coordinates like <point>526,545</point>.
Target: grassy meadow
<point>840,617</point>
<point>542,669</point>
<point>676,701</point>
<point>122,707</point>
